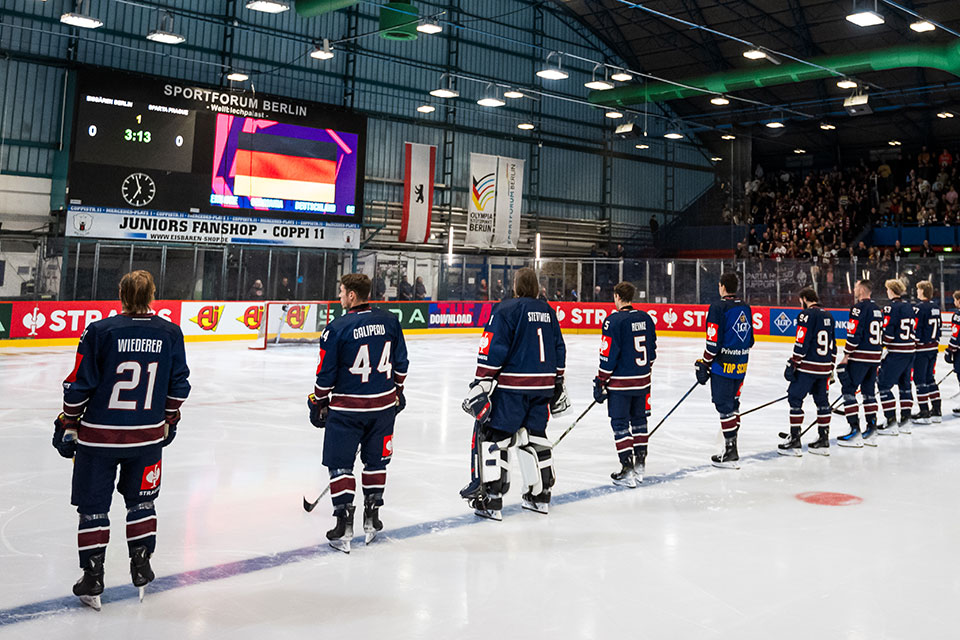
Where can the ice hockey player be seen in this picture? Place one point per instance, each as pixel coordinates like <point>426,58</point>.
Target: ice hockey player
<point>929,325</point>
<point>808,371</point>
<point>628,347</point>
<point>121,406</point>
<point>724,363</point>
<point>899,325</point>
<point>858,367</point>
<point>952,354</point>
<point>358,394</point>
<point>519,375</point>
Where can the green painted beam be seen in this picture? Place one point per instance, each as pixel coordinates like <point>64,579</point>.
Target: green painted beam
<point>310,8</point>
<point>943,57</point>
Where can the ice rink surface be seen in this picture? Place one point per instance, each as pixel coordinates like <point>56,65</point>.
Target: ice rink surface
<point>695,552</point>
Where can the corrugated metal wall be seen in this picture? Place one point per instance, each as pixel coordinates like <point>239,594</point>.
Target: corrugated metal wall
<point>389,81</point>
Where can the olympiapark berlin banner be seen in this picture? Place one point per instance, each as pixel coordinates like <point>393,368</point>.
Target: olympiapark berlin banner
<point>496,197</point>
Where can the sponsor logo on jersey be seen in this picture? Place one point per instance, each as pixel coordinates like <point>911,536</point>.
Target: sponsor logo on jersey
<point>297,315</point>
<point>852,326</point>
<point>801,334</point>
<point>252,317</point>
<point>208,318</point>
<point>320,360</point>
<point>783,322</point>
<point>741,327</point>
<point>712,329</point>
<point>605,345</point>
<point>485,341</point>
<point>151,477</point>
<point>387,446</point>
<point>76,368</point>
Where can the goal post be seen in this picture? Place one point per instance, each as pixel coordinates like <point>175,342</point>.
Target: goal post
<point>286,322</point>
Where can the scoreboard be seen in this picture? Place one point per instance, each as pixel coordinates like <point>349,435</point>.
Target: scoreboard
<point>154,159</point>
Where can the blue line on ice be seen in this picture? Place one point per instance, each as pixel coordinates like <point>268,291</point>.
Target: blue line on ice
<point>67,604</point>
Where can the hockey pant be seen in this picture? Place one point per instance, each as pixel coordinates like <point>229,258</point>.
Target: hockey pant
<point>372,432</point>
<point>725,393</point>
<point>924,377</point>
<point>534,453</point>
<point>94,475</point>
<point>804,385</point>
<point>895,369</point>
<point>628,418</point>
<point>862,375</point>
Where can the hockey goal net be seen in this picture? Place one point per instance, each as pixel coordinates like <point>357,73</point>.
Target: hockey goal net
<point>294,322</point>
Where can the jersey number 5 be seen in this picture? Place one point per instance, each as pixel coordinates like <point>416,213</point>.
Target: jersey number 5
<point>641,349</point>
<point>361,364</point>
<point>135,369</point>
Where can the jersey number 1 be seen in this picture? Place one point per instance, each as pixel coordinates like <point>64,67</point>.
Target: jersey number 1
<point>361,364</point>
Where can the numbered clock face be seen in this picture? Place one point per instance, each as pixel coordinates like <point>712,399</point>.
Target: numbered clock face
<point>138,189</point>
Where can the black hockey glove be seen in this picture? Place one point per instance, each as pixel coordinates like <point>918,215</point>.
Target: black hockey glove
<point>559,402</point>
<point>949,356</point>
<point>703,371</point>
<point>477,403</point>
<point>170,427</point>
<point>318,411</point>
<point>843,375</point>
<point>790,372</point>
<point>65,436</point>
<point>401,401</point>
<point>599,391</point>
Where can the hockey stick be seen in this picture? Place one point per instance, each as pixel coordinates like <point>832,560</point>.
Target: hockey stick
<point>310,506</point>
<point>570,428</point>
<point>679,402</point>
<point>763,406</point>
<point>812,424</point>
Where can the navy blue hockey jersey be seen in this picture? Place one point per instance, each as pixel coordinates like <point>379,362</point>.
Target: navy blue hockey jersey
<point>362,361</point>
<point>899,324</point>
<point>864,333</point>
<point>130,370</point>
<point>729,337</point>
<point>954,344</point>
<point>929,324</point>
<point>815,347</point>
<point>522,347</point>
<point>628,347</point>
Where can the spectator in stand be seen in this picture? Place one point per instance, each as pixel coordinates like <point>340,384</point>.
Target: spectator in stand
<point>945,160</point>
<point>284,291</point>
<point>256,291</point>
<point>898,249</point>
<point>498,291</point>
<point>926,251</point>
<point>862,253</point>
<point>620,252</point>
<point>419,289</point>
<point>483,292</point>
<point>405,289</point>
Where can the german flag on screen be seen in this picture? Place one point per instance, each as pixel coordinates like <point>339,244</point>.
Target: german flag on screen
<point>269,166</point>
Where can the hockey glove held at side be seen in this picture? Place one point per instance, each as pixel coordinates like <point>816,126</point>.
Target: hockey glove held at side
<point>843,375</point>
<point>170,427</point>
<point>559,402</point>
<point>65,436</point>
<point>318,411</point>
<point>401,400</point>
<point>599,391</point>
<point>703,371</point>
<point>477,403</point>
<point>790,372</point>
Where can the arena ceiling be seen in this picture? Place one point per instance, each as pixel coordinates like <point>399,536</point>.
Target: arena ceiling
<point>905,102</point>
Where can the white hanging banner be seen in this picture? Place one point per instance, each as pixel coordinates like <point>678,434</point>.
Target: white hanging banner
<point>420,162</point>
<point>496,196</point>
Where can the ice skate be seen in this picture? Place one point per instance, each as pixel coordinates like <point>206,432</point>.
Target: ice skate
<point>371,521</point>
<point>539,503</point>
<point>488,506</point>
<point>870,436</point>
<point>821,446</point>
<point>791,445</point>
<point>956,412</point>
<point>473,490</point>
<point>853,439</point>
<point>626,477</point>
<point>341,535</point>
<point>891,428</point>
<point>923,417</point>
<point>90,585</point>
<point>140,571</point>
<point>936,416</point>
<point>729,459</point>
<point>904,425</point>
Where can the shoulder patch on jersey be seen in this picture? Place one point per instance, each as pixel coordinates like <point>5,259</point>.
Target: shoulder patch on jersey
<point>605,342</point>
<point>801,334</point>
<point>76,368</point>
<point>485,341</point>
<point>712,328</point>
<point>320,360</point>
<point>151,477</point>
<point>852,326</point>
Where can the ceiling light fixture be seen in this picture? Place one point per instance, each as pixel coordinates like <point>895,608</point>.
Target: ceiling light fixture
<point>921,26</point>
<point>754,54</point>
<point>894,143</point>
<point>513,94</point>
<point>776,124</point>
<point>847,83</point>
<point>599,85</point>
<point>613,115</point>
<point>324,52</point>
<point>77,17</point>
<point>553,71</point>
<point>426,108</point>
<point>490,97</point>
<point>673,135</point>
<point>237,76</point>
<point>719,101</point>
<point>728,136</point>
<point>621,75</point>
<point>430,26</point>
<point>716,158</point>
<point>799,151</point>
<point>445,90</point>
<point>526,126</point>
<point>944,115</point>
<point>642,146</point>
<point>268,6</point>
<point>865,17</point>
<point>165,34</point>
<point>826,126</point>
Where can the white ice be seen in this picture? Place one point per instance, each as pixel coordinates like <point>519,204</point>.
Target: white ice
<point>695,552</point>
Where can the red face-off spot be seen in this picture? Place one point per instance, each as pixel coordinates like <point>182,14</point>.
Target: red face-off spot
<point>829,498</point>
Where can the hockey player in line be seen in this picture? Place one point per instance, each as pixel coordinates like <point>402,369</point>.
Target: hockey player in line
<point>357,396</point>
<point>899,325</point>
<point>519,375</point>
<point>808,371</point>
<point>858,367</point>
<point>724,363</point>
<point>951,356</point>
<point>121,406</point>
<point>628,348</point>
<point>929,325</point>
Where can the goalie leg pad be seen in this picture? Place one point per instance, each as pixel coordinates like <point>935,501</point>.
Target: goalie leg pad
<point>539,464</point>
<point>494,459</point>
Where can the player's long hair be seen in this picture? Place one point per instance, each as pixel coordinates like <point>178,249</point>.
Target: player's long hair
<point>137,291</point>
<point>525,283</point>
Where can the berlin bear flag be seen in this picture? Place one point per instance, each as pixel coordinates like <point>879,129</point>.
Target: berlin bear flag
<point>494,203</point>
<point>420,161</point>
